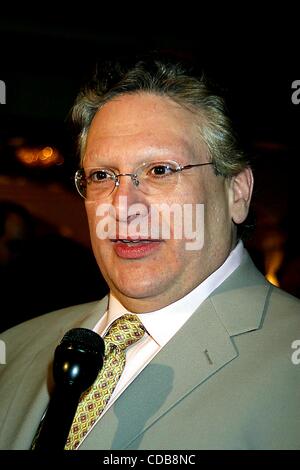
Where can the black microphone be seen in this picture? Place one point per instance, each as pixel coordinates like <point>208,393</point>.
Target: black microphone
<point>78,360</point>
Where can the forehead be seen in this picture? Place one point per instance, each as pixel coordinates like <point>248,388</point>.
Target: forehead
<point>143,123</point>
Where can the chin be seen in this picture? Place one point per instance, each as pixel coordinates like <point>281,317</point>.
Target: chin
<point>137,290</point>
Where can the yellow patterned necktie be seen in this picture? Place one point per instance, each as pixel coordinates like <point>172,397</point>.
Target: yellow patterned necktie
<point>123,332</point>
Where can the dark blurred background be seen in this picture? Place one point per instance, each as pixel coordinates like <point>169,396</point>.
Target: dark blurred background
<point>45,256</point>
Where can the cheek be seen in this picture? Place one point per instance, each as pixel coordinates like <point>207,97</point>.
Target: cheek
<point>217,219</point>
<point>101,220</point>
<point>92,221</point>
<point>99,246</point>
<point>176,259</point>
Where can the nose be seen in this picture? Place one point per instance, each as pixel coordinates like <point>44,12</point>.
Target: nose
<point>132,176</point>
<point>129,202</point>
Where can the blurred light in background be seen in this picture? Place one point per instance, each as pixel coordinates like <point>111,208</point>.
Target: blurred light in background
<point>273,263</point>
<point>273,247</point>
<point>39,156</point>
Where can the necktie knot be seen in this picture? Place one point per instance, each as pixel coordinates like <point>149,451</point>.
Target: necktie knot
<point>123,332</point>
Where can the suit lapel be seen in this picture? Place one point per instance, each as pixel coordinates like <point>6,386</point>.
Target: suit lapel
<point>242,299</point>
<point>29,416</point>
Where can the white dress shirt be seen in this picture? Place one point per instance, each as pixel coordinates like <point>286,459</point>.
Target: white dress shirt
<point>161,325</point>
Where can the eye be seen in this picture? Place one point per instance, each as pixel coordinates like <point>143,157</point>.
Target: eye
<point>160,170</point>
<point>98,176</point>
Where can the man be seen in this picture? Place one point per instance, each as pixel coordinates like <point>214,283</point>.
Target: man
<point>212,368</point>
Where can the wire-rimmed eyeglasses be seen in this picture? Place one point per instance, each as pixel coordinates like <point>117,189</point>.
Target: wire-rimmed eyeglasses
<point>95,183</point>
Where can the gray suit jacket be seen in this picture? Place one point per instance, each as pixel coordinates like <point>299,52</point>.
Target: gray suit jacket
<point>225,381</point>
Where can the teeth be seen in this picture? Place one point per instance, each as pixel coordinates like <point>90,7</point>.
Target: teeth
<point>131,241</point>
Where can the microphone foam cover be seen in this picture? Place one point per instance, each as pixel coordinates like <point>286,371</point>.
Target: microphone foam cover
<point>86,339</point>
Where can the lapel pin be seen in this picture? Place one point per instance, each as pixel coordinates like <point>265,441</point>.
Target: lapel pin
<point>208,357</point>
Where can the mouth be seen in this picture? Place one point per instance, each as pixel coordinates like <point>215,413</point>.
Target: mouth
<point>130,240</point>
<point>130,248</point>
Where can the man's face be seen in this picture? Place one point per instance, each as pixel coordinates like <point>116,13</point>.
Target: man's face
<point>125,133</point>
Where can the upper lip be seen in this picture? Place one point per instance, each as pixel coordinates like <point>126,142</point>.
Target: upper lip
<point>134,239</point>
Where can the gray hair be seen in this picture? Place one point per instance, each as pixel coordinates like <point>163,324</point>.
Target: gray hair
<point>172,80</point>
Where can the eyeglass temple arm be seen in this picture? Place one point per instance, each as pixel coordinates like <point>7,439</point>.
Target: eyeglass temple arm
<point>186,167</point>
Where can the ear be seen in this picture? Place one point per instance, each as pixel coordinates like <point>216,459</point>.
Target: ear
<point>241,186</point>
